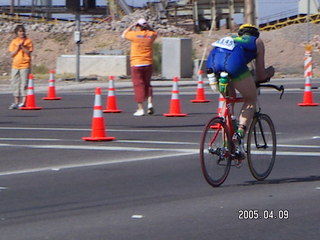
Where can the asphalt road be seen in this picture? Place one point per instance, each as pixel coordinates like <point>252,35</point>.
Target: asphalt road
<point>147,184</point>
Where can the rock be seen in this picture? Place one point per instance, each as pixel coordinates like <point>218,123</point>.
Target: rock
<point>127,20</point>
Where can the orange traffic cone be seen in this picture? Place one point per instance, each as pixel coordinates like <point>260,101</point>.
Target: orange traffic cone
<point>220,108</point>
<point>98,132</point>
<point>175,101</point>
<point>31,98</point>
<point>307,97</point>
<point>111,102</point>
<point>221,104</point>
<point>200,97</point>
<point>51,88</point>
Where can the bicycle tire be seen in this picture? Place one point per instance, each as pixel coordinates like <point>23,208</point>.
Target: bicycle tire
<point>261,146</point>
<point>215,154</point>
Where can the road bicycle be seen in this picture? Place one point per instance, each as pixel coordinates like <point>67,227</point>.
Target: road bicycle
<point>218,152</point>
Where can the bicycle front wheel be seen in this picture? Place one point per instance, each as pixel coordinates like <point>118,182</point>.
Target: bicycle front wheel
<point>215,157</point>
<point>261,146</point>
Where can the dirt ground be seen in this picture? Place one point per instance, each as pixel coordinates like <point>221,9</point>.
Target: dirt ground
<point>285,48</point>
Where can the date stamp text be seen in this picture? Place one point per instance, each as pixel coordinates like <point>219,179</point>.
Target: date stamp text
<point>256,214</point>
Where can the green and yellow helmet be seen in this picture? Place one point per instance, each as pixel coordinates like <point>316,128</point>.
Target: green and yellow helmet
<point>248,29</point>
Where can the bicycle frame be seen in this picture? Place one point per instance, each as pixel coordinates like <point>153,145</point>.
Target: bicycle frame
<point>226,116</point>
<point>229,101</point>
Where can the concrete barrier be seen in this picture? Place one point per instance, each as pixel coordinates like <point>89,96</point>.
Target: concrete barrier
<point>97,65</point>
<point>176,58</point>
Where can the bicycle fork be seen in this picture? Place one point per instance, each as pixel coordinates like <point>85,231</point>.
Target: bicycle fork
<point>260,132</point>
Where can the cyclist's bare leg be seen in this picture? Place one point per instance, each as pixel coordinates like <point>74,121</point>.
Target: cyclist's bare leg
<point>247,89</point>
<point>232,93</point>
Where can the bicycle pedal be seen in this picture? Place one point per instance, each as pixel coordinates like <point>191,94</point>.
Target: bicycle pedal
<point>240,155</point>
<point>238,164</point>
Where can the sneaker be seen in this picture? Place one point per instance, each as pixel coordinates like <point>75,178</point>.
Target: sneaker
<point>238,142</point>
<point>150,109</point>
<point>21,105</point>
<point>13,106</point>
<point>139,113</point>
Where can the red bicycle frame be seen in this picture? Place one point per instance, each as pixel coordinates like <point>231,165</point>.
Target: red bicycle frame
<point>226,114</point>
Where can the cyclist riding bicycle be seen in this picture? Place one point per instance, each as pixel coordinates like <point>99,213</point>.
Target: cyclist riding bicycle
<point>232,55</point>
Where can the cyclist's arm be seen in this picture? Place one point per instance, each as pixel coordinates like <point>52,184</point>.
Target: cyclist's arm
<point>262,73</point>
<point>130,28</point>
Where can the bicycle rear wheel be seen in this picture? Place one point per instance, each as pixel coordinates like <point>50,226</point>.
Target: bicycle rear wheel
<point>215,157</point>
<point>261,146</point>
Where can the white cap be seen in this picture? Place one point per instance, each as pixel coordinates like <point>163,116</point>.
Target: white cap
<point>141,21</point>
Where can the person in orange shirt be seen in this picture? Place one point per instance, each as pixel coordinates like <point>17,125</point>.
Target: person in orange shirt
<point>20,48</point>
<point>142,37</point>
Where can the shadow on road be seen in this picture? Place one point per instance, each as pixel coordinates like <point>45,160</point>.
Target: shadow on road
<point>283,180</point>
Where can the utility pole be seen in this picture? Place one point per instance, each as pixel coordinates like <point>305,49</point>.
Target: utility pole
<point>249,12</point>
<point>77,39</point>
<point>231,14</point>
<point>75,7</point>
<point>12,7</point>
<point>308,22</point>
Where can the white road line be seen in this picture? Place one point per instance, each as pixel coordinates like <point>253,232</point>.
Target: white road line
<point>116,148</point>
<point>158,142</point>
<point>128,148</point>
<point>99,148</point>
<point>91,164</point>
<point>99,163</point>
<point>298,146</point>
<point>32,139</point>
<point>305,154</point>
<point>287,153</point>
<point>44,129</point>
<point>173,153</point>
<point>119,141</point>
<point>109,129</point>
<point>144,142</point>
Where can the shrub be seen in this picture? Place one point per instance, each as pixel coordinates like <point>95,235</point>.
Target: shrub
<point>40,69</point>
